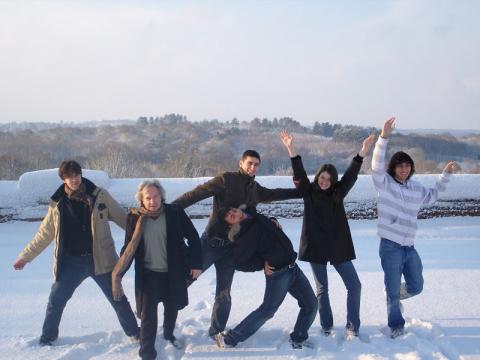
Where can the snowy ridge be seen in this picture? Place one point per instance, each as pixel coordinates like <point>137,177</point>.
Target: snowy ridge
<point>28,198</point>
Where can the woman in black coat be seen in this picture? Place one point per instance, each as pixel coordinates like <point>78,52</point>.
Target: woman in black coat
<point>325,232</point>
<point>155,238</point>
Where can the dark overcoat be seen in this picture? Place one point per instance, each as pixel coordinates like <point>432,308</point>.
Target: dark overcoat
<point>325,232</point>
<point>180,256</point>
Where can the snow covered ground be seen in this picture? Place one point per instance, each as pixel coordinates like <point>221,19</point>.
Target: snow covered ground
<point>442,323</point>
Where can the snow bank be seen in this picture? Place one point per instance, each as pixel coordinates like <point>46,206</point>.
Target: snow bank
<point>38,186</point>
<point>28,198</point>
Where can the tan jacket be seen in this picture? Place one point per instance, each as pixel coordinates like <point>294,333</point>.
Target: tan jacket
<point>105,208</point>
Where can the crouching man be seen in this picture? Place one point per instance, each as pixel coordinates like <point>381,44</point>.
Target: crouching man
<point>77,222</point>
<point>261,244</point>
<point>155,239</point>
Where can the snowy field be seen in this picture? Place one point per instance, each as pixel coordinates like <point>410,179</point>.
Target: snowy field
<point>442,323</point>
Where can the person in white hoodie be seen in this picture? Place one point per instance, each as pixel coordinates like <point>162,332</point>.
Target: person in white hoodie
<point>399,201</point>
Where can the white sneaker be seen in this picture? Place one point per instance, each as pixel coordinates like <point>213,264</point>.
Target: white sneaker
<point>351,334</point>
<point>220,340</point>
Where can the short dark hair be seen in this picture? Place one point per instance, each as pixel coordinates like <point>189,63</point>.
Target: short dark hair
<point>330,169</point>
<point>398,158</point>
<point>69,168</point>
<point>251,153</point>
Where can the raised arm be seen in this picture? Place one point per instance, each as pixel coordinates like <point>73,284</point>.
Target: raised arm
<point>300,178</point>
<point>431,194</point>
<point>378,158</point>
<point>215,186</point>
<point>351,174</point>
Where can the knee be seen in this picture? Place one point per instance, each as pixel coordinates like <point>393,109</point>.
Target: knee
<point>322,290</point>
<point>355,287</point>
<point>416,289</point>
<point>267,312</point>
<point>223,296</point>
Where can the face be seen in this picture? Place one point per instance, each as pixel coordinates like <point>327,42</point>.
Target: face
<point>249,165</point>
<point>402,171</point>
<point>73,181</point>
<point>324,180</point>
<point>234,216</point>
<point>151,198</point>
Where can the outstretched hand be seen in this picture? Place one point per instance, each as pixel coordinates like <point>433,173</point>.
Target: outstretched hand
<point>19,264</point>
<point>451,167</point>
<point>388,127</point>
<point>287,140</point>
<point>367,145</point>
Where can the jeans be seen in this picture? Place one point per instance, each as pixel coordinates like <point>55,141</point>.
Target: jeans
<point>347,272</point>
<point>398,260</point>
<point>293,281</point>
<point>155,290</point>
<point>74,270</point>
<point>222,258</point>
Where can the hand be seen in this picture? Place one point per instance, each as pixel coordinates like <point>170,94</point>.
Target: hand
<point>19,264</point>
<point>287,140</point>
<point>195,273</point>
<point>451,167</point>
<point>267,269</point>
<point>366,145</point>
<point>117,289</point>
<point>388,128</point>
<point>277,224</point>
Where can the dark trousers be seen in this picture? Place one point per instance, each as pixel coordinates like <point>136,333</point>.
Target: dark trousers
<point>222,258</point>
<point>347,272</point>
<point>289,280</point>
<point>74,270</point>
<point>155,290</point>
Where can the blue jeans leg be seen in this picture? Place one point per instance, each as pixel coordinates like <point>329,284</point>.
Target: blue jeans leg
<point>122,308</point>
<point>412,273</point>
<point>392,258</point>
<point>301,290</point>
<point>347,272</point>
<point>321,282</point>
<point>222,258</point>
<point>276,288</point>
<point>73,272</point>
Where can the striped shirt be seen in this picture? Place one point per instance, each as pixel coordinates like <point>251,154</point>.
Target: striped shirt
<point>398,204</point>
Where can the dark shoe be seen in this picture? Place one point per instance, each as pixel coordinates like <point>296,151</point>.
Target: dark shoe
<point>177,344</point>
<point>394,333</point>
<point>301,344</point>
<point>45,342</point>
<point>327,332</point>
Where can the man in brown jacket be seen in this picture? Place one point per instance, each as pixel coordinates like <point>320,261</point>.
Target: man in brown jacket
<point>229,189</point>
<point>77,222</point>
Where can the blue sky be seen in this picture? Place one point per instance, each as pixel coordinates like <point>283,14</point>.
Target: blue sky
<point>351,62</point>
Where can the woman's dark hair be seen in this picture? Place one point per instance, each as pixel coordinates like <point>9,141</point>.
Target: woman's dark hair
<point>69,168</point>
<point>398,158</point>
<point>331,170</point>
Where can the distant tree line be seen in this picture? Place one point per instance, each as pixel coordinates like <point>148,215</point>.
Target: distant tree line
<point>172,146</point>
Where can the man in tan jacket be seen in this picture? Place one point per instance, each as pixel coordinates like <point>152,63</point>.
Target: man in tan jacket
<point>77,222</point>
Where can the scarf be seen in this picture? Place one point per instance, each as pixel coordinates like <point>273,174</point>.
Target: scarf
<point>125,259</point>
<point>80,195</point>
